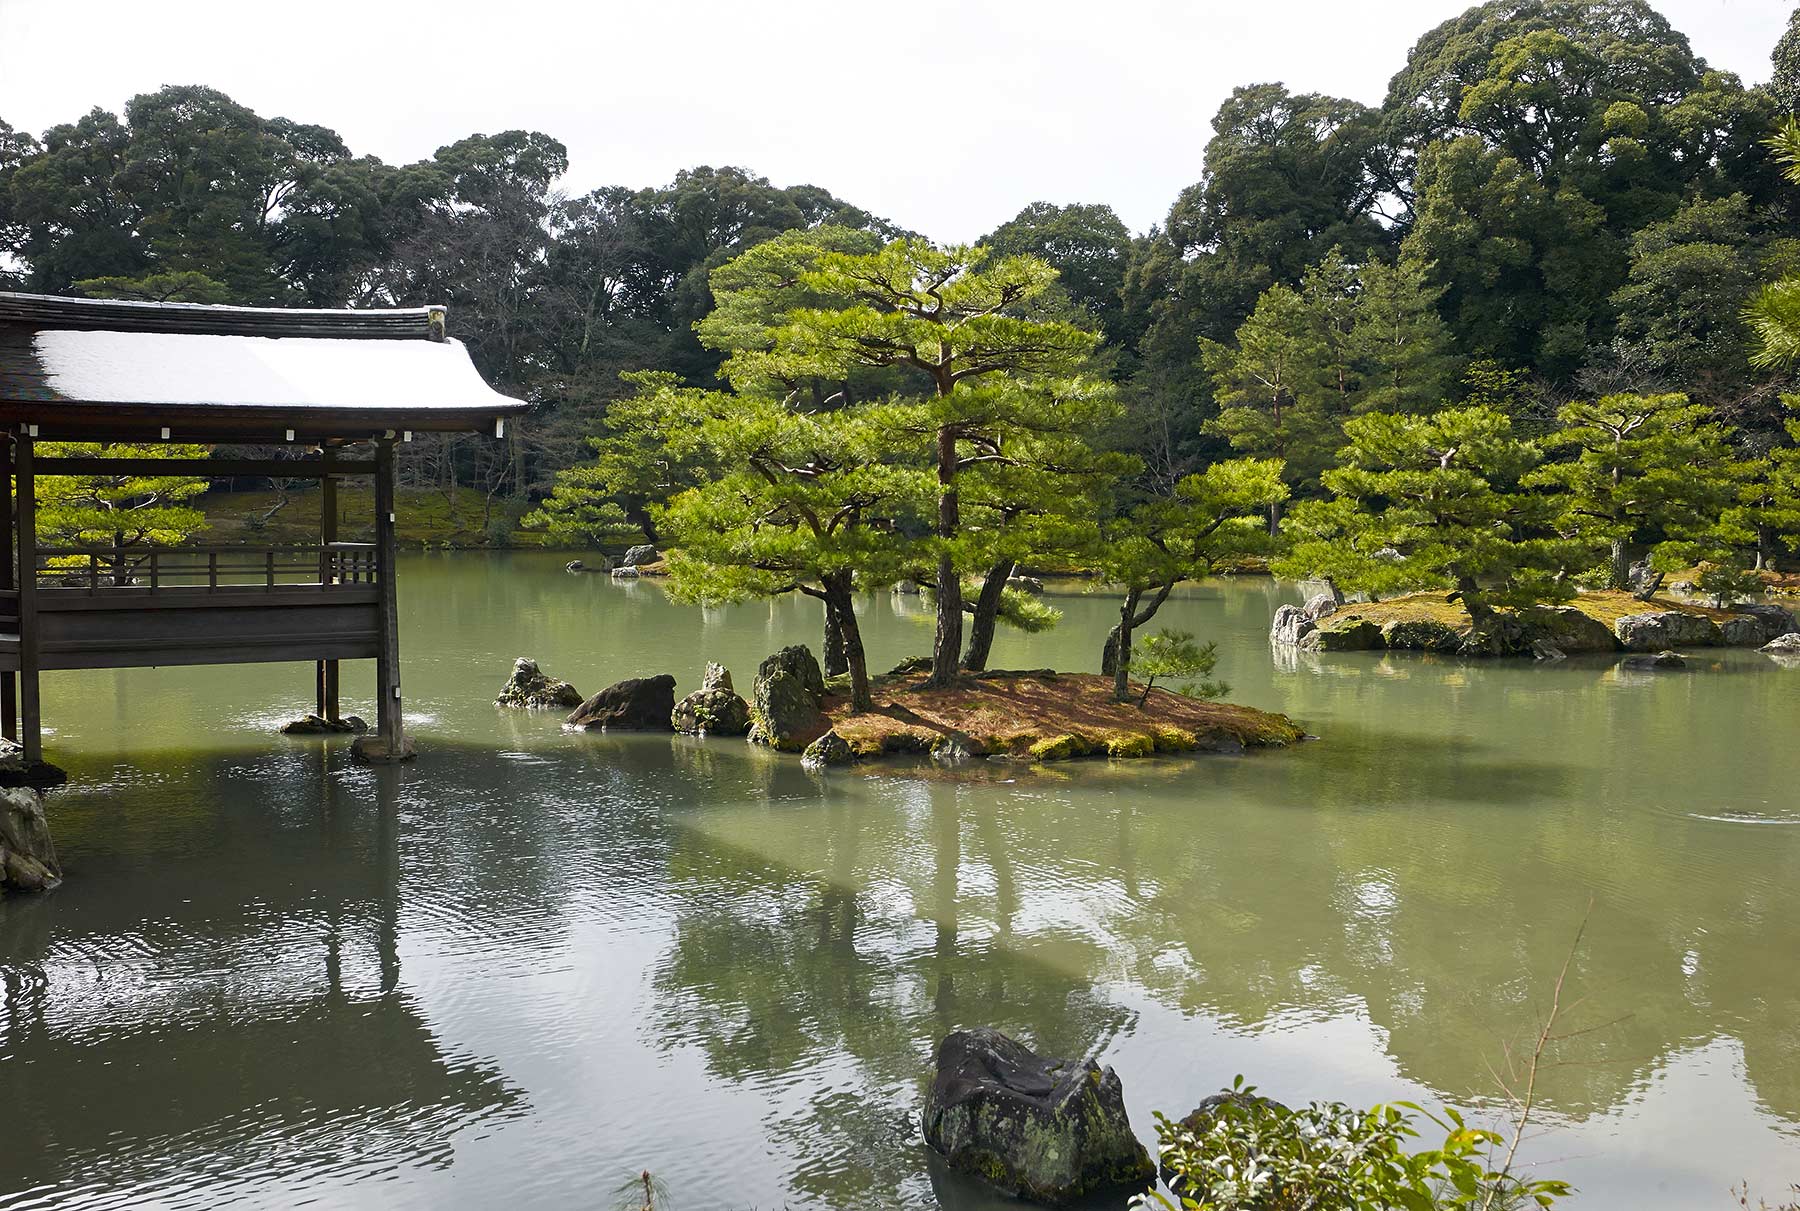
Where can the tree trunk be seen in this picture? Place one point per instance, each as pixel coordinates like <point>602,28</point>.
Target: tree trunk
<point>1275,517</point>
<point>836,661</point>
<point>1122,647</point>
<point>1620,576</point>
<point>840,605</point>
<point>947,646</point>
<point>1479,611</point>
<point>1109,654</point>
<point>987,612</point>
<point>638,514</point>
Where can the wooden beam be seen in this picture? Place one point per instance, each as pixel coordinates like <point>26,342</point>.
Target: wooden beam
<point>276,468</point>
<point>326,672</point>
<point>9,683</point>
<point>30,708</point>
<point>389,724</point>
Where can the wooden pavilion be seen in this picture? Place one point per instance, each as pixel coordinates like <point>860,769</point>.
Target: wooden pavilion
<point>338,387</point>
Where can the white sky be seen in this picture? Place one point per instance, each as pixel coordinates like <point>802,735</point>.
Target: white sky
<point>945,117</point>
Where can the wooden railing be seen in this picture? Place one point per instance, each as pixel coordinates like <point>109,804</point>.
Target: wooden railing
<point>98,570</point>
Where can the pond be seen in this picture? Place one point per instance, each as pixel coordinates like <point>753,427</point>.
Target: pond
<point>532,964</point>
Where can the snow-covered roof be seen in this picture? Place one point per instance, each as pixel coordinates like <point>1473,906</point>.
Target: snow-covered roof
<point>90,361</point>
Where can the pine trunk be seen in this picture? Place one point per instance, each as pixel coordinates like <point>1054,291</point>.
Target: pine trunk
<point>947,646</point>
<point>986,615</point>
<point>1122,649</point>
<point>840,603</point>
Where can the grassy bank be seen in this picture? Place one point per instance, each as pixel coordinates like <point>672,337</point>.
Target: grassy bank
<point>1048,717</point>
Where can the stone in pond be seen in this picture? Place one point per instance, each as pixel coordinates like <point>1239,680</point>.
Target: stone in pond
<point>1661,630</point>
<point>27,855</point>
<point>318,725</point>
<point>829,749</point>
<point>785,699</point>
<point>530,688</point>
<point>638,556</point>
<point>1048,1130</point>
<point>637,704</point>
<point>715,712</point>
<point>1782,645</point>
<point>1660,662</point>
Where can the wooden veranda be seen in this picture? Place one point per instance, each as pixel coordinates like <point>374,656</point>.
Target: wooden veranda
<point>337,389</point>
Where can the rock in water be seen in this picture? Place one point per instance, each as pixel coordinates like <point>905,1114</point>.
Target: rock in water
<point>1753,625</point>
<point>1782,645</point>
<point>1421,635</point>
<point>531,689</point>
<point>1660,662</point>
<point>317,725</point>
<point>829,749</point>
<point>717,677</point>
<point>715,712</point>
<point>1665,629</point>
<point>638,556</point>
<point>1567,629</point>
<point>638,704</point>
<point>27,856</point>
<point>785,700</point>
<point>1291,625</point>
<point>1047,1130</point>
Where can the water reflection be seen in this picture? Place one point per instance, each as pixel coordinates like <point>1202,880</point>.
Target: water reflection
<point>535,963</point>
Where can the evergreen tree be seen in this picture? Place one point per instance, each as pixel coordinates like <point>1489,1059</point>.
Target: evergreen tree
<point>1401,344</point>
<point>1638,465</point>
<point>1277,401</point>
<point>123,512</point>
<point>1433,502</point>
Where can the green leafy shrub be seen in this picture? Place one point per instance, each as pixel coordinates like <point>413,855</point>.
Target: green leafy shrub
<point>1257,1155</point>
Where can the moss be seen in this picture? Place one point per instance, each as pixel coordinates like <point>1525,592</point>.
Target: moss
<point>1130,744</point>
<point>1061,748</point>
<point>1171,739</point>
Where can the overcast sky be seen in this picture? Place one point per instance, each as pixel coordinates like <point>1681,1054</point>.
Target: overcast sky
<point>944,117</point>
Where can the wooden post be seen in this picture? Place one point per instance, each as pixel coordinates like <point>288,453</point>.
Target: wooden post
<point>389,727</point>
<point>328,532</point>
<point>31,721</point>
<point>9,682</point>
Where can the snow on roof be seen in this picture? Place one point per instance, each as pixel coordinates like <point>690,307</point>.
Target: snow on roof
<point>186,368</point>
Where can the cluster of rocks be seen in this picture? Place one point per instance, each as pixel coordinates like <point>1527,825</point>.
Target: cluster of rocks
<point>1545,632</point>
<point>632,565</point>
<point>27,855</point>
<point>648,704</point>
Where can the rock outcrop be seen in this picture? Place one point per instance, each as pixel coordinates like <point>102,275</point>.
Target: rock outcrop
<point>638,556</point>
<point>829,749</point>
<point>1294,623</point>
<point>711,713</point>
<point>1421,635</point>
<point>1782,645</point>
<point>1662,630</point>
<point>318,725</point>
<point>785,699</point>
<point>1567,629</point>
<point>530,688</point>
<point>1048,1130</point>
<point>1752,625</point>
<point>27,855</point>
<point>716,677</point>
<point>638,704</point>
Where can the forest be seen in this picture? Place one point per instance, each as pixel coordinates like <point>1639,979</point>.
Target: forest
<point>1532,317</point>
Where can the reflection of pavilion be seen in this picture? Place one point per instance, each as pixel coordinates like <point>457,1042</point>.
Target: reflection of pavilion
<point>288,1046</point>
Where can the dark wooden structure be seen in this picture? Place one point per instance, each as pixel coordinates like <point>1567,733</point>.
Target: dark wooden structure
<point>339,388</point>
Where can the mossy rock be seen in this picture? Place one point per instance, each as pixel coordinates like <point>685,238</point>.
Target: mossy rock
<point>1351,634</point>
<point>1420,635</point>
<point>1174,739</point>
<point>1062,748</point>
<point>1130,744</point>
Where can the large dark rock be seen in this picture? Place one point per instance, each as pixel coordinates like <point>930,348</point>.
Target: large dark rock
<point>1657,663</point>
<point>16,771</point>
<point>785,700</point>
<point>27,856</point>
<point>318,725</point>
<point>1497,635</point>
<point>530,688</point>
<point>1662,630</point>
<point>639,704</point>
<point>1049,1130</point>
<point>638,556</point>
<point>829,749</point>
<point>1567,629</point>
<point>715,712</point>
<point>1754,624</point>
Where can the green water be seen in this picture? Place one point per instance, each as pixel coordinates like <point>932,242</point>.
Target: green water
<point>532,964</point>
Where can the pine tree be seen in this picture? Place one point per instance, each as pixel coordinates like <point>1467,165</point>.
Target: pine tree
<point>1400,342</point>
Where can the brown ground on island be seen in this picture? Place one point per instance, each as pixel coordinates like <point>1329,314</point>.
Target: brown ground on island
<point>1048,717</point>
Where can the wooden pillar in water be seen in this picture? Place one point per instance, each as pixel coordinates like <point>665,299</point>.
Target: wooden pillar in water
<point>389,726</point>
<point>326,673</point>
<point>9,681</point>
<point>31,715</point>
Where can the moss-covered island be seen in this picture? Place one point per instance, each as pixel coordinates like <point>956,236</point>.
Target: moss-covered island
<point>1600,621</point>
<point>1043,716</point>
